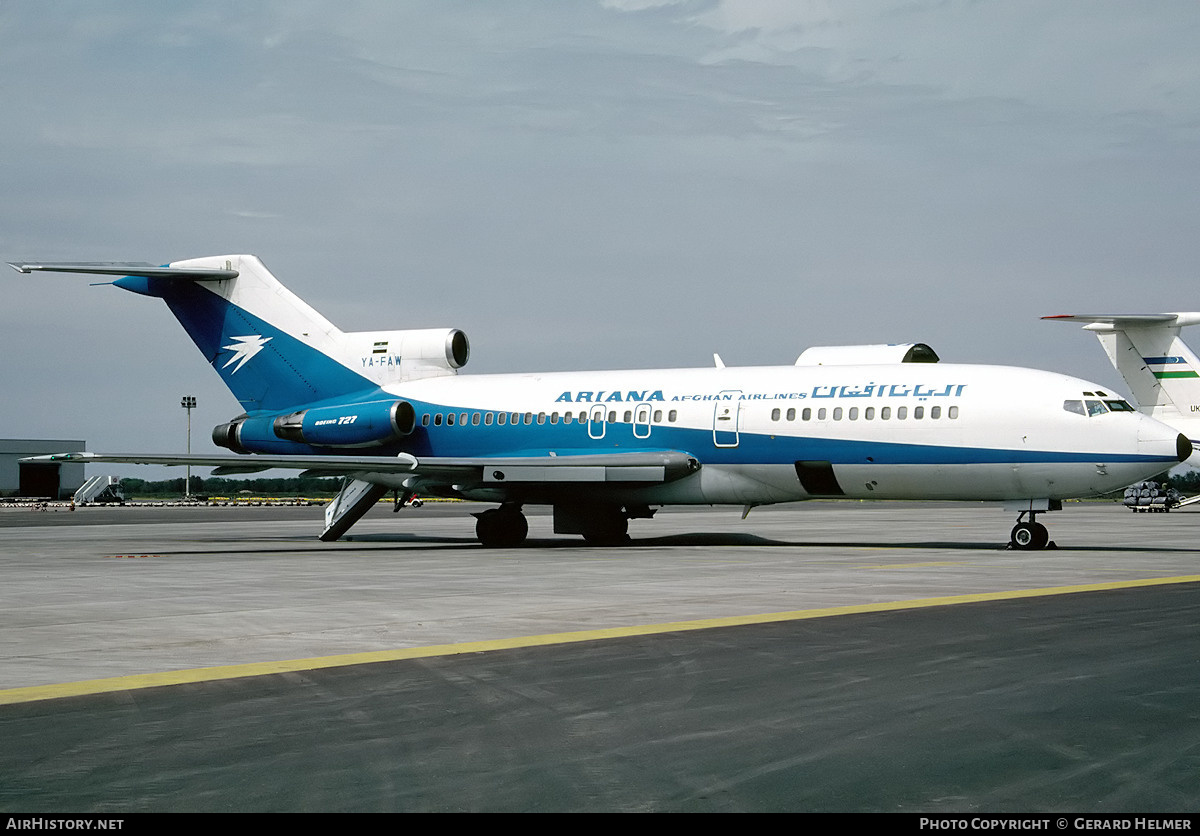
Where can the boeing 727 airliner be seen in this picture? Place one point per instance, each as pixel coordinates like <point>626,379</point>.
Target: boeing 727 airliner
<point>388,411</point>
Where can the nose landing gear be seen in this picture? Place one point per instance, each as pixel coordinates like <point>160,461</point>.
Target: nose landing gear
<point>1029,535</point>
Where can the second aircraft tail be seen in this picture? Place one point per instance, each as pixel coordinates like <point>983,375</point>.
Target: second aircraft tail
<point>1162,372</point>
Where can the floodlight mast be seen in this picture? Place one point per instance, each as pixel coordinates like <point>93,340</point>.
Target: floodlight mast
<point>189,403</point>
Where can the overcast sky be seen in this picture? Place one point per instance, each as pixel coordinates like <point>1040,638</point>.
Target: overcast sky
<point>603,184</point>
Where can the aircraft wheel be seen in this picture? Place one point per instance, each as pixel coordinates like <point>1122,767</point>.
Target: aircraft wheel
<point>501,528</point>
<point>1029,537</point>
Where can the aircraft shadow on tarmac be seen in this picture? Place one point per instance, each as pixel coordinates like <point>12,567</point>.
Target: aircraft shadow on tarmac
<point>700,539</point>
<point>733,540</point>
<point>384,540</point>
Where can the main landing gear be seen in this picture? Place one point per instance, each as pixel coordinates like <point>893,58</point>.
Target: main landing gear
<point>600,524</point>
<point>1029,535</point>
<point>501,528</point>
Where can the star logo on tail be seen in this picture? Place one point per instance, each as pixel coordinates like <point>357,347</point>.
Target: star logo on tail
<point>243,349</point>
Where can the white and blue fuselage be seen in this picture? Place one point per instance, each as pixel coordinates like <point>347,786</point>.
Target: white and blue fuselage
<point>786,433</point>
<point>389,411</point>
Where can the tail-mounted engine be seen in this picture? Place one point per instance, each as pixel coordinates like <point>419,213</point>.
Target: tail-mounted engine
<point>864,355</point>
<point>352,425</point>
<point>369,424</point>
<point>397,356</point>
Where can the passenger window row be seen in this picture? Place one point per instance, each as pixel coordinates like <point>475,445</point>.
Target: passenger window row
<point>870,413</point>
<point>500,419</point>
<point>854,413</point>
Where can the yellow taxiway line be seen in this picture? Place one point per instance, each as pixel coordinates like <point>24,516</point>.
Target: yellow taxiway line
<point>154,680</point>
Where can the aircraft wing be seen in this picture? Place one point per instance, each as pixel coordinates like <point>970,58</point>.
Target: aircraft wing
<point>230,463</point>
<point>590,468</point>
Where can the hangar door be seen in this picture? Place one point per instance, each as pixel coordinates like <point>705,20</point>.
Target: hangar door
<point>39,479</point>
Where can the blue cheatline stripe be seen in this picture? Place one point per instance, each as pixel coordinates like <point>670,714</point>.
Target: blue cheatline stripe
<point>482,441</point>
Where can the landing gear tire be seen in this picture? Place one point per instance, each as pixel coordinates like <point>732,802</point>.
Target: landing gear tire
<point>501,528</point>
<point>1029,536</point>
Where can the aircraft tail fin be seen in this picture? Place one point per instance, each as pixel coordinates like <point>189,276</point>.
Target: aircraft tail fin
<point>272,349</point>
<point>1162,372</point>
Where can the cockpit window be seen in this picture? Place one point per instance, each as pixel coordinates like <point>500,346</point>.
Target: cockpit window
<point>1092,408</point>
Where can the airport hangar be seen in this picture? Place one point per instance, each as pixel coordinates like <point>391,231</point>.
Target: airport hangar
<point>28,479</point>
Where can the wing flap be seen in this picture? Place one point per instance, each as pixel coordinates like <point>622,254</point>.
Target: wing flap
<point>586,468</point>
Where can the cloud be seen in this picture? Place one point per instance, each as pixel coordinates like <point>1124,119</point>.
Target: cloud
<point>1105,57</point>
<point>581,185</point>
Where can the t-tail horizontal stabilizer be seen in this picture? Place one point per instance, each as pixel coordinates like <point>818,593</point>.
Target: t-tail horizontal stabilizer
<point>141,269</point>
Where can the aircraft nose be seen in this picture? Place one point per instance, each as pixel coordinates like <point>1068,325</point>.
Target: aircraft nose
<point>1157,439</point>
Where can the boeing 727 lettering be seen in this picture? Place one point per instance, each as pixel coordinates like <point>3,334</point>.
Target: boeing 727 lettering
<point>389,411</point>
